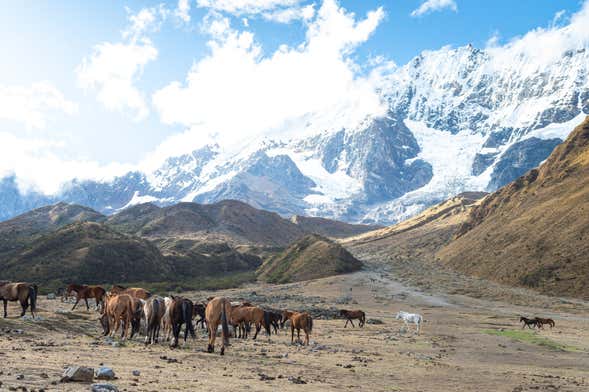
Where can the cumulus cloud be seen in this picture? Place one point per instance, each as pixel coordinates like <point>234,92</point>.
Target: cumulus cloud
<point>287,15</point>
<point>114,68</point>
<point>236,93</point>
<point>239,7</point>
<point>434,5</point>
<point>39,164</point>
<point>542,46</point>
<point>183,10</point>
<point>31,105</point>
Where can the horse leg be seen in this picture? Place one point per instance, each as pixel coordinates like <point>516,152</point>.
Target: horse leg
<point>212,335</point>
<point>24,305</point>
<point>258,326</point>
<point>352,322</point>
<point>291,333</point>
<point>298,334</point>
<point>346,324</point>
<point>5,303</point>
<point>87,306</point>
<point>306,337</point>
<point>77,300</point>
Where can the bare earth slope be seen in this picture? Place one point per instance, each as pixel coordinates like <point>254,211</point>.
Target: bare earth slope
<point>535,230</point>
<point>329,227</point>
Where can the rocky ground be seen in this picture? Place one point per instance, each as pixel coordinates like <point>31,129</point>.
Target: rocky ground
<point>467,344</point>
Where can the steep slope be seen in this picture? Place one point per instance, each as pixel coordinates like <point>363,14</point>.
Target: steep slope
<point>330,228</point>
<point>535,230</point>
<point>418,238</point>
<point>86,252</point>
<point>311,257</point>
<point>16,233</point>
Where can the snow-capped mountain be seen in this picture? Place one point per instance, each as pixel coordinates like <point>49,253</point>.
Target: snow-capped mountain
<point>457,120</point>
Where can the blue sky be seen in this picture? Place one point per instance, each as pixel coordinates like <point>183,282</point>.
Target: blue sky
<point>52,65</point>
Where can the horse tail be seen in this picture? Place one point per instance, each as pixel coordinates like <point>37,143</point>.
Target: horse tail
<point>224,324</point>
<point>310,323</point>
<point>187,315</point>
<point>267,322</point>
<point>33,297</point>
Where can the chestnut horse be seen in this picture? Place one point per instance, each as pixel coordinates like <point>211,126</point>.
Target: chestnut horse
<point>84,292</point>
<point>298,321</point>
<point>243,315</point>
<point>542,321</point>
<point>22,292</point>
<point>218,312</point>
<point>136,292</point>
<point>350,315</point>
<point>118,309</point>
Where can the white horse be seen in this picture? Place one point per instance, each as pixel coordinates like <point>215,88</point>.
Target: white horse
<point>407,318</point>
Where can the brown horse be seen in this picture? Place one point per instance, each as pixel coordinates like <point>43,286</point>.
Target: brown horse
<point>22,292</point>
<point>136,292</point>
<point>84,292</point>
<point>181,313</point>
<point>299,321</point>
<point>118,309</point>
<point>218,312</point>
<point>243,315</point>
<point>542,321</point>
<point>350,315</point>
<point>153,311</point>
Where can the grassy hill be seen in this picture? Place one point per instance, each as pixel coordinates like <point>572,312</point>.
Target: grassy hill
<point>86,252</point>
<point>311,257</point>
<point>534,231</point>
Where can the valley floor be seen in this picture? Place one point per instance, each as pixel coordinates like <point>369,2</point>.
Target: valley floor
<point>467,343</point>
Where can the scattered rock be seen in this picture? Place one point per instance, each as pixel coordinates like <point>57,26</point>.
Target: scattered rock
<point>296,380</point>
<point>78,374</point>
<point>374,321</point>
<point>136,373</point>
<point>105,373</point>
<point>20,377</point>
<point>265,377</point>
<point>103,387</point>
<point>51,296</point>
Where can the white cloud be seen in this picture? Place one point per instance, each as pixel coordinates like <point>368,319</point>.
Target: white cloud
<point>543,46</point>
<point>31,105</point>
<point>237,94</point>
<point>287,15</point>
<point>434,5</point>
<point>39,164</point>
<point>114,68</point>
<point>183,10</point>
<point>239,7</point>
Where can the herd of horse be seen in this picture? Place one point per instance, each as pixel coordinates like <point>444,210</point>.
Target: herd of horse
<point>128,308</point>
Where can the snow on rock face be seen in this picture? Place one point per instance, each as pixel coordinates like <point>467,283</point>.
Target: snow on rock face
<point>458,120</point>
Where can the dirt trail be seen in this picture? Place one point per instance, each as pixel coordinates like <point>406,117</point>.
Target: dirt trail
<point>465,344</point>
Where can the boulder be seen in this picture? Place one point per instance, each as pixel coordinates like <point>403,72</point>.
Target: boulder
<point>105,373</point>
<point>78,374</point>
<point>103,387</point>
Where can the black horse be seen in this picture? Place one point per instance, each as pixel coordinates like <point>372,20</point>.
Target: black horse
<point>181,313</point>
<point>528,322</point>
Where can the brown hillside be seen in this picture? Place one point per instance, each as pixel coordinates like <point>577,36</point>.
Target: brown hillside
<point>227,221</point>
<point>417,238</point>
<point>86,252</point>
<point>535,230</point>
<point>330,228</point>
<point>311,257</point>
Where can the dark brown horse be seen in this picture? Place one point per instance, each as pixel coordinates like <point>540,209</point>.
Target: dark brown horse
<point>528,322</point>
<point>84,292</point>
<point>350,315</point>
<point>181,313</point>
<point>199,310</point>
<point>22,292</point>
<point>542,321</point>
<point>136,292</point>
